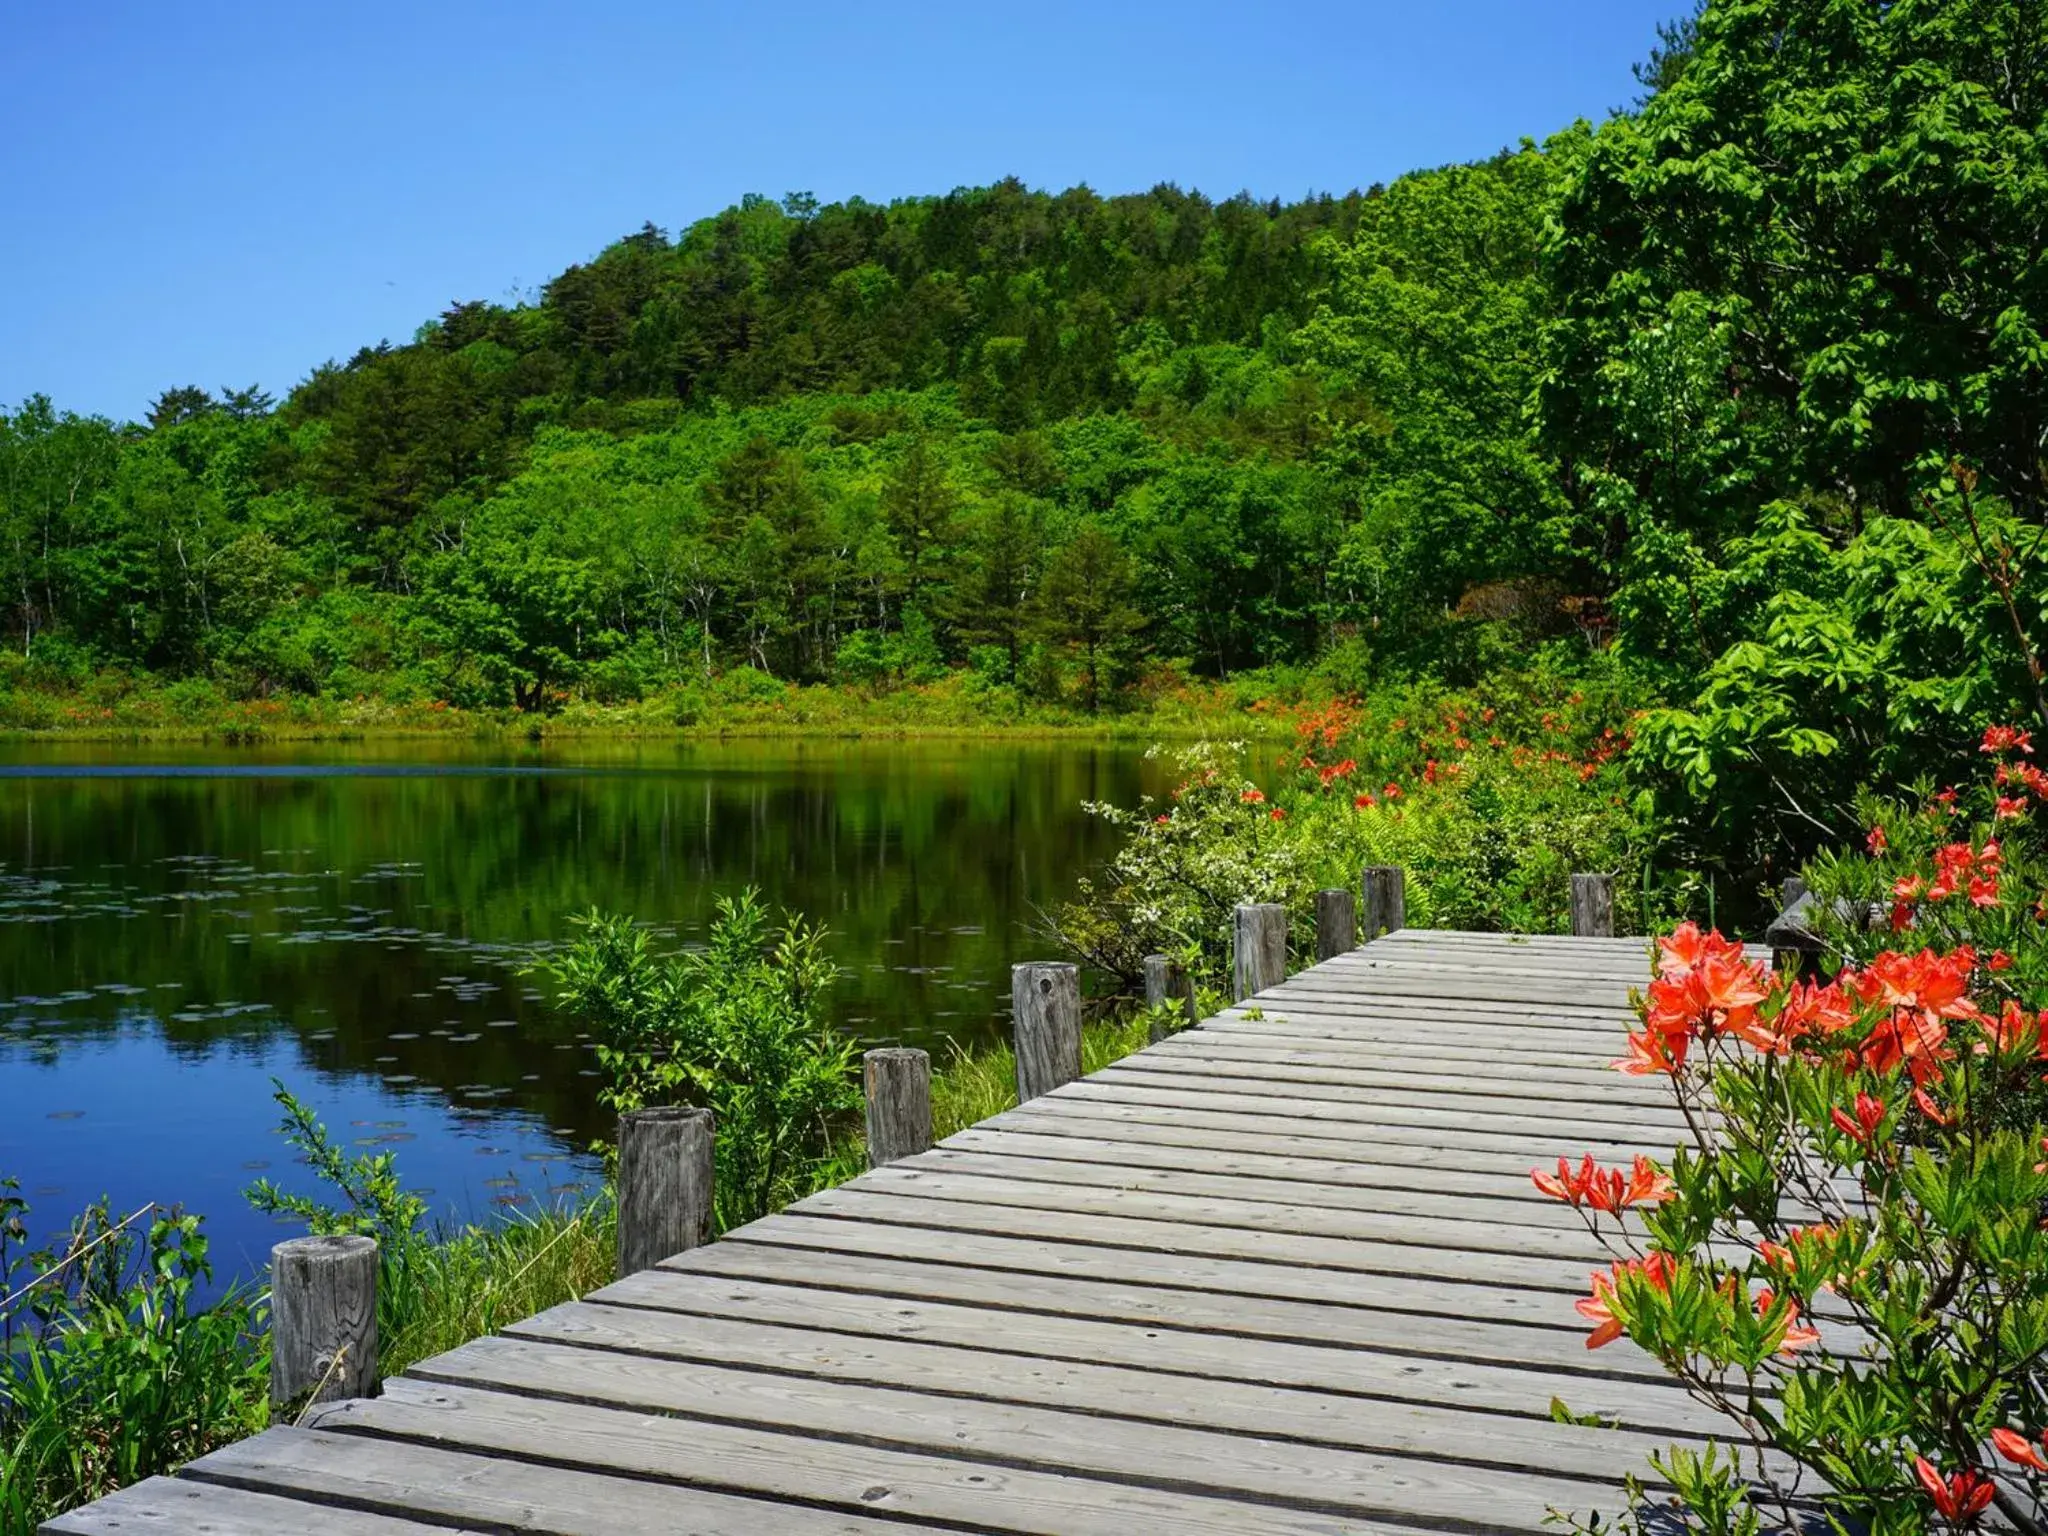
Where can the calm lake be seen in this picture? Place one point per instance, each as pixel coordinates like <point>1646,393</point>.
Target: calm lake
<point>178,926</point>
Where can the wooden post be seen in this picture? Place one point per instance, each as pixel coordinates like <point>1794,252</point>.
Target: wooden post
<point>1167,982</point>
<point>1793,902</point>
<point>899,1093</point>
<point>1593,906</point>
<point>1259,959</point>
<point>1336,924</point>
<point>1045,996</point>
<point>667,1176</point>
<point>323,1321</point>
<point>1386,899</point>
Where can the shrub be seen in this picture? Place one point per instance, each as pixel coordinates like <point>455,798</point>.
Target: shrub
<point>1489,810</point>
<point>1868,1149</point>
<point>108,1371</point>
<point>735,1027</point>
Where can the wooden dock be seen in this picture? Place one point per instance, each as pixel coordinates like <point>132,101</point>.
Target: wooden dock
<point>1283,1272</point>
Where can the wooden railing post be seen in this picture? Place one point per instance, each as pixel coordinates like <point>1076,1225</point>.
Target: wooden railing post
<point>1336,924</point>
<point>1792,942</point>
<point>1386,899</point>
<point>323,1321</point>
<point>1259,955</point>
<point>1167,984</point>
<point>1045,996</point>
<point>667,1177</point>
<point>1593,906</point>
<point>898,1082</point>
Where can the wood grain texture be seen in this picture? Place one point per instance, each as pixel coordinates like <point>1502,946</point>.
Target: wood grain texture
<point>323,1320</point>
<point>1168,985</point>
<point>1384,892</point>
<point>897,1084</point>
<point>666,1183</point>
<point>1045,999</point>
<point>1258,948</point>
<point>1336,924</point>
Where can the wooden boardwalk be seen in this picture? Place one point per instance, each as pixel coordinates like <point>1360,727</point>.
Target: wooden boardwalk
<point>1284,1272</point>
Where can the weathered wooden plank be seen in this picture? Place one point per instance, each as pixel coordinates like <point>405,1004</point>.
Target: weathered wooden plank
<point>1223,1129</point>
<point>788,1345</point>
<point>1467,1309</point>
<point>165,1504</point>
<point>1132,1155</point>
<point>1284,1060</point>
<point>1522,1132</point>
<point>1371,1187</point>
<point>1452,969</point>
<point>1004,1212</point>
<point>1524,1095</point>
<point>839,1474</point>
<point>1123,1450</point>
<point>514,1486</point>
<point>1447,985</point>
<point>1423,1281</point>
<point>1591,1035</point>
<point>1596,1036</point>
<point>1008,1343</point>
<point>1360,1001</point>
<point>1529,1004</point>
<point>1370,1014</point>
<point>1474,1051</point>
<point>965,1178</point>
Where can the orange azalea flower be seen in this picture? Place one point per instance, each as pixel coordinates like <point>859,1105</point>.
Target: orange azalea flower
<point>1798,1335</point>
<point>1605,1189</point>
<point>2014,1030</point>
<point>1930,1109</point>
<point>1869,1116</point>
<point>1681,950</point>
<point>1785,1255</point>
<point>1811,1009</point>
<point>2018,1448</point>
<point>1962,1496</point>
<point>1598,1308</point>
<point>1650,1053</point>
<point>1253,797</point>
<point>1920,1044</point>
<point>2006,738</point>
<point>1719,992</point>
<point>1919,993</point>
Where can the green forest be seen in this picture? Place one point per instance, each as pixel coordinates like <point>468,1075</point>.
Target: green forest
<point>1732,404</point>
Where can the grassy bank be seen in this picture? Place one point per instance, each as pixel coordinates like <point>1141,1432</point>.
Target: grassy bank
<point>124,706</point>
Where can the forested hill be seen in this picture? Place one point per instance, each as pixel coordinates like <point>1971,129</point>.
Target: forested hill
<point>1054,437</point>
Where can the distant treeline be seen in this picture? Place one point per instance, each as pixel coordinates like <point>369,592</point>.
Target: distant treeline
<point>1053,437</point>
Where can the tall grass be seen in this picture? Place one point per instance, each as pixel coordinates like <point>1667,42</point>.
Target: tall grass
<point>109,1373</point>
<point>971,1086</point>
<point>468,1283</point>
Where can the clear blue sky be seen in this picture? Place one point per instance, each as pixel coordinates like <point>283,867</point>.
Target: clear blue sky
<point>228,194</point>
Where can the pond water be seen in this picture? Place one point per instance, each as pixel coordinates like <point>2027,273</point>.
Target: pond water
<point>180,926</point>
